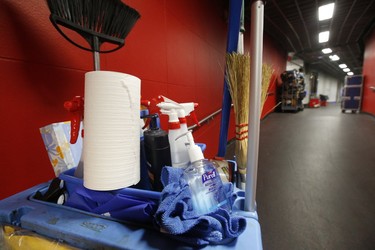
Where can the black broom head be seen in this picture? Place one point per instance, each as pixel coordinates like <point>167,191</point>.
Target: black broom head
<point>110,20</point>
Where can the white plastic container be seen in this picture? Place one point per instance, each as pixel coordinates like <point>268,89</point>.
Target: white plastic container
<point>179,154</point>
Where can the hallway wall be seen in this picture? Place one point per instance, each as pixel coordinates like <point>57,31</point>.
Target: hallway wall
<point>368,104</point>
<point>327,85</point>
<point>177,49</point>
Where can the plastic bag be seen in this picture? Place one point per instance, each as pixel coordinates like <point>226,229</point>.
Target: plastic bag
<point>12,238</point>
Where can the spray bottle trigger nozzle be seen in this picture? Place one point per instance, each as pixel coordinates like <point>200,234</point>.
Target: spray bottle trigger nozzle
<point>152,121</point>
<point>75,107</point>
<point>194,117</point>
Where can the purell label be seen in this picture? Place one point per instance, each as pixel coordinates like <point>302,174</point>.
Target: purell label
<point>208,176</point>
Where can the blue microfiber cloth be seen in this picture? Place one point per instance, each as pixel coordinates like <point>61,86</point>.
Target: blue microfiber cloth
<point>115,205</point>
<point>176,216</point>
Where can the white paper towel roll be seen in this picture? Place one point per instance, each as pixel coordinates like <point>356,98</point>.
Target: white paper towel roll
<point>111,136</point>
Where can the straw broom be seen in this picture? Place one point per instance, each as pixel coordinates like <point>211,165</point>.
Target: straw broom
<point>268,77</point>
<point>238,79</point>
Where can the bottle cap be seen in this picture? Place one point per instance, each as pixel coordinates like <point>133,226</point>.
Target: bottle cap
<point>155,137</point>
<point>154,122</point>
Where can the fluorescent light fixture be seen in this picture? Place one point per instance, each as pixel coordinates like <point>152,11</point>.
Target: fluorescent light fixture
<point>323,36</point>
<point>334,58</point>
<point>350,73</point>
<point>346,70</point>
<point>343,66</point>
<point>327,51</point>
<point>326,11</point>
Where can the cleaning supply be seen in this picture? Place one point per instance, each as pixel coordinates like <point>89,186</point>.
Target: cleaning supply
<point>184,110</point>
<point>238,78</point>
<point>76,108</point>
<point>126,207</point>
<point>226,169</point>
<point>179,154</point>
<point>112,127</point>
<point>151,105</point>
<point>176,216</point>
<point>96,21</point>
<point>179,109</point>
<point>144,182</point>
<point>157,151</point>
<point>206,187</point>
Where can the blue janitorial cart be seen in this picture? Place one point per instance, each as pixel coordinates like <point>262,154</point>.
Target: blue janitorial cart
<point>86,230</point>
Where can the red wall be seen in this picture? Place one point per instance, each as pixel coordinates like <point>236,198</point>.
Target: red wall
<point>275,56</point>
<point>177,49</point>
<point>368,104</point>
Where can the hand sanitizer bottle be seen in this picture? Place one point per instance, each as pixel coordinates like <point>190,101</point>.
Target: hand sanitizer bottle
<point>207,192</point>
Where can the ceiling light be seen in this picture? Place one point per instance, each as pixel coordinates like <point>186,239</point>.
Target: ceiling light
<point>323,36</point>
<point>346,70</point>
<point>350,73</point>
<point>327,51</point>
<point>343,66</point>
<point>326,11</point>
<point>334,58</point>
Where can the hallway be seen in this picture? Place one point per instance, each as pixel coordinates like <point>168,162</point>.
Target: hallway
<point>316,180</point>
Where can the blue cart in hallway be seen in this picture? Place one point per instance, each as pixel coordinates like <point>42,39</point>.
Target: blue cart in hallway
<point>91,231</point>
<point>352,94</point>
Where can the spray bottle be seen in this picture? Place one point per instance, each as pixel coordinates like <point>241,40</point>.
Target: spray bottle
<point>76,107</point>
<point>152,107</point>
<point>157,151</point>
<point>206,187</point>
<point>184,110</point>
<point>179,154</point>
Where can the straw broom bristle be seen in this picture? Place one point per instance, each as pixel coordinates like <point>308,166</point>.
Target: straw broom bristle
<point>267,72</point>
<point>238,79</point>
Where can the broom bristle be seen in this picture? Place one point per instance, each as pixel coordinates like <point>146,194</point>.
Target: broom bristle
<point>238,79</point>
<point>110,17</point>
<point>267,72</point>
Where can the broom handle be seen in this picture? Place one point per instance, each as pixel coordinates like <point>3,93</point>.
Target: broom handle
<point>232,42</point>
<point>256,52</point>
<point>96,48</point>
<point>240,47</point>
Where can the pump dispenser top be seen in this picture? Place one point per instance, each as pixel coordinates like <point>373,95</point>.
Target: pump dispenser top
<point>194,151</point>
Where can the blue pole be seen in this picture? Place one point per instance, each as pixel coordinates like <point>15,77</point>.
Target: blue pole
<point>232,43</point>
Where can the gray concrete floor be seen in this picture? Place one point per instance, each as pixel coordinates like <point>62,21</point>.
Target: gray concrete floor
<point>316,180</point>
